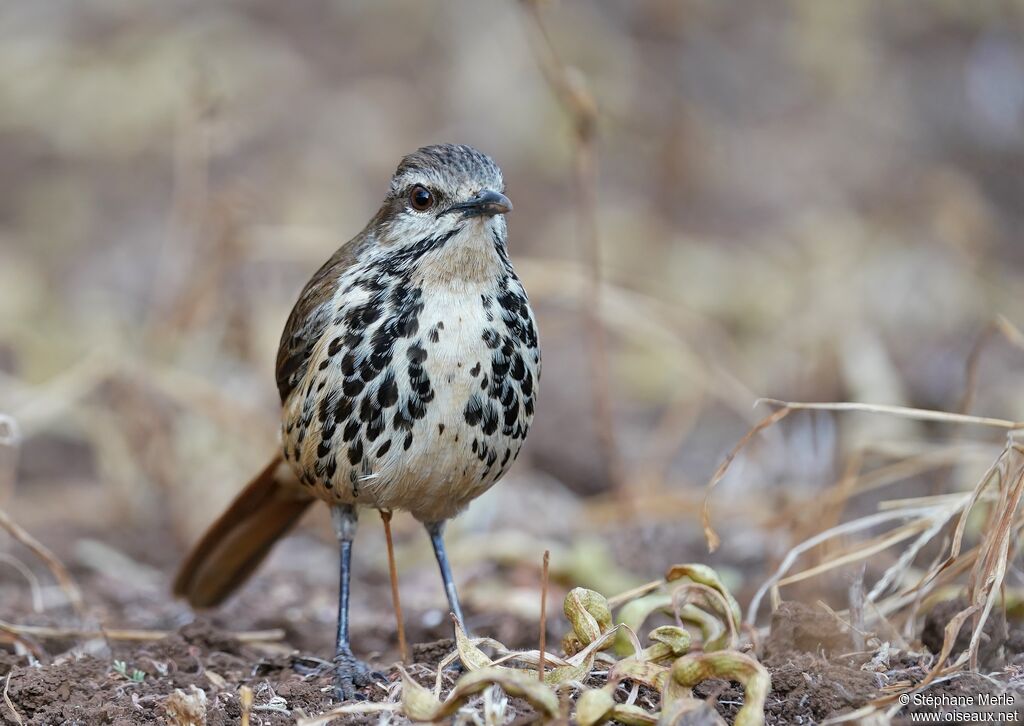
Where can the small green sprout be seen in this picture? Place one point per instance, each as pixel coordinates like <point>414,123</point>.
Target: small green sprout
<point>121,668</point>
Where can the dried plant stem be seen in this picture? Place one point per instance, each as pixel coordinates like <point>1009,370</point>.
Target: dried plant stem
<point>245,699</point>
<point>60,572</point>
<point>710,535</point>
<point>543,613</point>
<point>41,631</point>
<point>920,414</point>
<point>579,105</point>
<point>403,647</point>
<point>7,698</point>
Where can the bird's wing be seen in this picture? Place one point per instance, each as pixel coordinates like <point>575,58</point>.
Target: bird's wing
<point>312,314</point>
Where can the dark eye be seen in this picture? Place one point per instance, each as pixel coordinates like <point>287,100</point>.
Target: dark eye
<point>421,199</point>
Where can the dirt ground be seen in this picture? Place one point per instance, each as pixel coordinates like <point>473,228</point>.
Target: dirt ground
<point>93,680</point>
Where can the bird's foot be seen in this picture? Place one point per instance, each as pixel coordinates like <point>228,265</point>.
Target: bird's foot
<point>351,675</point>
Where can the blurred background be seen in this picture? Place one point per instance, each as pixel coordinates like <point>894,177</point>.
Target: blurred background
<point>802,200</point>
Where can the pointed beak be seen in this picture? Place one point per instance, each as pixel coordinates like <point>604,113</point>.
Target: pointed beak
<point>485,204</point>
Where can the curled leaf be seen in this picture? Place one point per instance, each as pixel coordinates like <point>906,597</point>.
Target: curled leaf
<point>419,704</point>
<point>471,656</point>
<point>670,641</point>
<point>642,671</point>
<point>633,614</point>
<point>594,707</point>
<point>690,670</point>
<point>632,715</point>
<point>589,615</point>
<point>704,575</point>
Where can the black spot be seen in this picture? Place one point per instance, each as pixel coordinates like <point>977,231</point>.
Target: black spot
<point>383,449</point>
<point>335,346</point>
<point>490,420</point>
<point>326,403</point>
<point>348,364</point>
<point>474,446</point>
<point>474,410</point>
<point>408,441</point>
<point>505,458</point>
<point>343,410</point>
<point>475,370</point>
<point>483,383</point>
<point>440,429</point>
<point>491,338</point>
<point>355,452</point>
<point>527,385</point>
<point>402,420</point>
<point>383,349</point>
<point>387,391</point>
<point>352,387</point>
<point>511,416</point>
<point>499,364</point>
<point>416,408</point>
<point>323,448</point>
<point>324,363</point>
<point>367,371</point>
<point>351,430</point>
<point>375,427</point>
<point>508,395</point>
<point>518,370</point>
<point>416,353</point>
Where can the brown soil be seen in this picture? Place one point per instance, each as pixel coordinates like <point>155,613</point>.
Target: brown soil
<point>808,654</point>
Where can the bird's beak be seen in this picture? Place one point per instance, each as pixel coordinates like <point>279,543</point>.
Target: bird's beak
<point>485,204</point>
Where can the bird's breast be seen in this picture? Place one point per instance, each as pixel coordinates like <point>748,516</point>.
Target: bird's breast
<point>420,393</point>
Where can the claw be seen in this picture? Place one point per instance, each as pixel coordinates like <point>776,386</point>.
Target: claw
<point>351,675</point>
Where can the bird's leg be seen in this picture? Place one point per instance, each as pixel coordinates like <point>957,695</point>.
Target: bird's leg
<point>350,673</point>
<point>436,532</point>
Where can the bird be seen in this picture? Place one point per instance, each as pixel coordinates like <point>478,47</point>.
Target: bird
<point>408,372</point>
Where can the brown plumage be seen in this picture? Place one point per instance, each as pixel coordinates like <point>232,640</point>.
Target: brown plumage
<point>241,537</point>
<point>408,371</point>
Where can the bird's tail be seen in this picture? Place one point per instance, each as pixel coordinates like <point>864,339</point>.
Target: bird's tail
<point>238,541</point>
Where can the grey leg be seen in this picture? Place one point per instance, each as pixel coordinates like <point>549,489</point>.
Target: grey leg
<point>436,532</point>
<point>350,674</point>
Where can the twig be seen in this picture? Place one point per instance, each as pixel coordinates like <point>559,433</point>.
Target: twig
<point>920,414</point>
<point>403,648</point>
<point>41,631</point>
<point>709,533</point>
<point>7,698</point>
<point>543,614</point>
<point>569,89</point>
<point>349,710</point>
<point>245,699</point>
<point>60,572</point>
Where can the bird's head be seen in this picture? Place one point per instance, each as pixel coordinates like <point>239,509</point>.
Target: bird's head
<point>438,190</point>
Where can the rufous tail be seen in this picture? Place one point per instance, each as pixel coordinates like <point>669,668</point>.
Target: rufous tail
<point>238,541</point>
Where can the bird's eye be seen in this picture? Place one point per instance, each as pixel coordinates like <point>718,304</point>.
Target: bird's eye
<point>420,198</point>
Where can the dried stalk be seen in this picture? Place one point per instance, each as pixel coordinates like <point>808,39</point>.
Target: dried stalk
<point>579,105</point>
<point>42,631</point>
<point>403,647</point>
<point>60,572</point>
<point>543,613</point>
